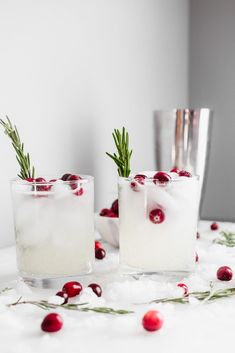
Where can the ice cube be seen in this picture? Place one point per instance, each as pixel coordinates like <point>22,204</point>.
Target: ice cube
<point>61,189</point>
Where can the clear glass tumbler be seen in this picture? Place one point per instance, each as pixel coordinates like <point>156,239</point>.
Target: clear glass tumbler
<point>54,228</point>
<point>158,224</point>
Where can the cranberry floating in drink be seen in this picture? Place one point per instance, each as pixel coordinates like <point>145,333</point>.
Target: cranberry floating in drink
<point>158,221</point>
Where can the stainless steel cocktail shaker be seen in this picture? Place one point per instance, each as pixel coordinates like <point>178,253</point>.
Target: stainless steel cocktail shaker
<point>182,140</point>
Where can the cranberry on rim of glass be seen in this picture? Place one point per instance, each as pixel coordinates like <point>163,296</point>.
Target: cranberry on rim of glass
<point>42,185</point>
<point>161,178</point>
<point>137,182</point>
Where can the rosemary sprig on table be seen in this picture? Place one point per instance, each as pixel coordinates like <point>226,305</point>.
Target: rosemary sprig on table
<point>3,290</point>
<point>26,171</point>
<point>43,304</point>
<point>227,238</point>
<point>123,155</point>
<point>209,295</point>
<point>203,296</point>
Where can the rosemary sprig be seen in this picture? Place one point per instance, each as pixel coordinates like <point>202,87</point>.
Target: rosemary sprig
<point>43,304</point>
<point>26,171</point>
<point>206,296</point>
<point>227,239</point>
<point>3,290</point>
<point>123,155</point>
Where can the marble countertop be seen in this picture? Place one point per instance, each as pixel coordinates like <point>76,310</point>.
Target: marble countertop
<point>193,327</point>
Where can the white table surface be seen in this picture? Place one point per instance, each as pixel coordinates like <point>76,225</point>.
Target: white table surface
<point>193,327</point>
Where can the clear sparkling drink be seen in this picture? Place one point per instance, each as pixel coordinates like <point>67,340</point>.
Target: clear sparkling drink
<point>54,227</point>
<point>158,221</point>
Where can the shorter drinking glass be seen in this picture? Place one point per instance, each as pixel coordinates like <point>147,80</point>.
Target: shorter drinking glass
<point>158,223</point>
<point>54,229</point>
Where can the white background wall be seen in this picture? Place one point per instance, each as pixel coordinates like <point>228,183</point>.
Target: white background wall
<point>212,84</point>
<point>72,70</point>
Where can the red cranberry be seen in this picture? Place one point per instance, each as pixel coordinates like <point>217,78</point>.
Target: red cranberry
<point>161,177</point>
<point>185,174</point>
<point>100,253</point>
<point>52,323</point>
<point>140,178</point>
<point>196,257</point>
<point>152,320</point>
<point>111,214</point>
<point>50,186</point>
<point>114,207</point>
<point>65,177</point>
<point>40,180</point>
<point>74,179</point>
<point>175,170</point>
<point>104,212</point>
<point>64,295</point>
<point>96,289</point>
<point>134,185</point>
<point>79,192</point>
<point>224,273</point>
<point>157,216</point>
<point>198,235</point>
<point>30,180</point>
<point>98,245</point>
<point>72,288</point>
<point>214,226</point>
<point>42,187</point>
<point>185,288</point>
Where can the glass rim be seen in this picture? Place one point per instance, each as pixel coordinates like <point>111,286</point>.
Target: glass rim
<point>150,179</point>
<point>188,109</point>
<point>85,179</point>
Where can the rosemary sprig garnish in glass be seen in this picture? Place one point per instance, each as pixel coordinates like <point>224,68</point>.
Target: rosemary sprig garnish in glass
<point>209,295</point>
<point>123,155</point>
<point>26,171</point>
<point>43,304</point>
<point>227,239</point>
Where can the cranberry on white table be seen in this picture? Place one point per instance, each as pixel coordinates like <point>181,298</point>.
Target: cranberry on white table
<point>193,327</point>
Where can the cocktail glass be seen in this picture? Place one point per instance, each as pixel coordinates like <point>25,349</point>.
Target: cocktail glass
<point>54,229</point>
<point>158,223</point>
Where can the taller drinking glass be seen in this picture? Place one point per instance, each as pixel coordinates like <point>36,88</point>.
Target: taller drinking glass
<point>158,222</point>
<point>54,228</point>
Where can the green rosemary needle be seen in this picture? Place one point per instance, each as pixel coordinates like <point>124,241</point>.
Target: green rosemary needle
<point>26,171</point>
<point>123,155</point>
<point>227,239</point>
<point>201,296</point>
<point>43,304</point>
<point>4,290</point>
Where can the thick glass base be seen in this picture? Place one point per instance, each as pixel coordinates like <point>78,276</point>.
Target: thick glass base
<point>159,275</point>
<point>57,281</point>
